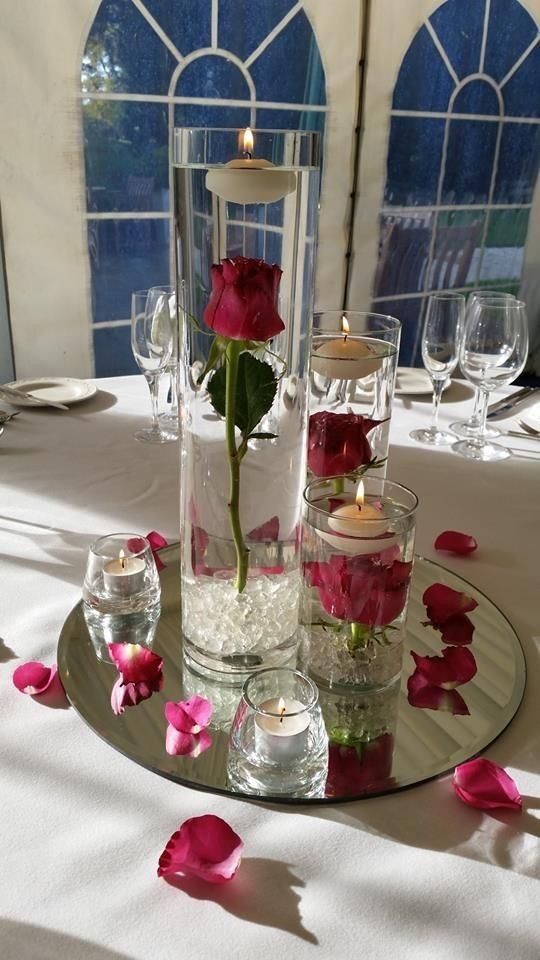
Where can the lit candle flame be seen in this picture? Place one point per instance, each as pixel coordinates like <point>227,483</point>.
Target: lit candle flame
<point>360,495</point>
<point>248,141</point>
<point>282,708</point>
<point>122,559</point>
<point>345,328</point>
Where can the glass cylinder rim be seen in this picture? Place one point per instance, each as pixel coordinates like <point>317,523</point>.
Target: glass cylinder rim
<point>500,303</point>
<point>373,520</point>
<point>447,295</point>
<point>307,134</point>
<point>93,548</point>
<point>394,322</point>
<point>480,293</point>
<point>269,713</point>
<point>166,287</point>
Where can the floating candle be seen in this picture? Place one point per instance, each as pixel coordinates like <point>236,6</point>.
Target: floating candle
<point>346,358</point>
<point>251,179</point>
<point>359,519</point>
<point>281,733</point>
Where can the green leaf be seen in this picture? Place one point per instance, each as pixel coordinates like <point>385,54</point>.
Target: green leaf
<point>255,392</point>
<point>216,357</point>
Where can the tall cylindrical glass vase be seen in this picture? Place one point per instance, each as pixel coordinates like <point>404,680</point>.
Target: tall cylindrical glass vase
<point>246,215</point>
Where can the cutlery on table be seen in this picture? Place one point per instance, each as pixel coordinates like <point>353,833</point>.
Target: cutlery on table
<point>502,406</point>
<point>12,394</point>
<point>526,433</point>
<point>6,417</point>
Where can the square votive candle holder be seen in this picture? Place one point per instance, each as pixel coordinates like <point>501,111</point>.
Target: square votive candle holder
<point>278,744</point>
<point>121,576</point>
<point>357,560</point>
<point>354,358</point>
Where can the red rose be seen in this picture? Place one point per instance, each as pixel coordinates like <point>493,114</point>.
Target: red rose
<point>243,302</point>
<point>364,768</point>
<point>360,590</point>
<point>338,442</point>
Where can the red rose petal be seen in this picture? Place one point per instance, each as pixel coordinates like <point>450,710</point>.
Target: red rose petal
<point>205,847</point>
<point>443,602</point>
<point>130,694</point>
<point>178,743</point>
<point>455,667</point>
<point>483,784</point>
<point>189,716</point>
<point>457,630</point>
<point>421,693</point>
<point>33,677</point>
<point>453,542</point>
<point>267,531</point>
<point>135,662</point>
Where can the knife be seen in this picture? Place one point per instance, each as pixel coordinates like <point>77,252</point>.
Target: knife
<point>13,394</point>
<point>502,406</point>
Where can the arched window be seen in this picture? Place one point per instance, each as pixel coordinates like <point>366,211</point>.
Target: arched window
<point>463,156</point>
<point>150,65</point>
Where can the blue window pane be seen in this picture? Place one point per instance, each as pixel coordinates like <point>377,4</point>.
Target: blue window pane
<point>271,119</point>
<point>414,158</point>
<point>479,97</point>
<point>210,77</point>
<point>290,69</point>
<point>186,23</point>
<point>520,93</point>
<point>125,255</point>
<point>126,155</point>
<point>459,26</point>
<point>411,314</point>
<point>456,252</point>
<point>423,81</point>
<point>197,115</point>
<point>243,25</point>
<point>511,30</point>
<point>502,262</point>
<point>112,351</point>
<point>519,157</point>
<point>123,53</point>
<point>469,161</point>
<point>404,245</point>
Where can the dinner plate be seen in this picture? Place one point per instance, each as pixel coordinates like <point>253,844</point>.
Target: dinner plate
<point>414,381</point>
<point>56,389</point>
<point>531,417</point>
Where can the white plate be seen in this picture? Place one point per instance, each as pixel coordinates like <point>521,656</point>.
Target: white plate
<point>57,389</point>
<point>414,381</point>
<point>531,417</point>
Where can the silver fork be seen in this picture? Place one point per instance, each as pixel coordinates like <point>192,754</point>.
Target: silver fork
<point>528,433</point>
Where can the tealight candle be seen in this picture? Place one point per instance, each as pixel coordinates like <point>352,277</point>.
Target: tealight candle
<point>346,359</point>
<point>124,576</point>
<point>250,180</point>
<point>281,733</point>
<point>359,519</point>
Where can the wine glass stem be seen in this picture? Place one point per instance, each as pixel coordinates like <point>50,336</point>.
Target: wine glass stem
<point>437,394</point>
<point>174,389</point>
<point>152,380</point>
<point>482,413</point>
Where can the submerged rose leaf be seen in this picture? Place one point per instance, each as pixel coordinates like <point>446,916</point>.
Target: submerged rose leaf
<point>205,847</point>
<point>483,784</point>
<point>135,662</point>
<point>452,541</point>
<point>34,677</point>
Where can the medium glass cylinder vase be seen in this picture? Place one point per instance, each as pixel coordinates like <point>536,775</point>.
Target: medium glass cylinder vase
<point>246,214</point>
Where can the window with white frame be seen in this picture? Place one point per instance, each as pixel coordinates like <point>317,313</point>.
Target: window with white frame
<point>463,156</point>
<point>151,65</point>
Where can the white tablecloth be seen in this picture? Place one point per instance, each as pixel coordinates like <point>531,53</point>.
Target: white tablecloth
<point>417,875</point>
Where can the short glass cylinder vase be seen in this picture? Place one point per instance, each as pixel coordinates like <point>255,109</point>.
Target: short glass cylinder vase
<point>246,214</point>
<point>278,745</point>
<point>354,359</point>
<point>358,550</point>
<point>121,576</point>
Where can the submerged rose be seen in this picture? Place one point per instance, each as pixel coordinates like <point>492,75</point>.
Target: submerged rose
<point>359,589</point>
<point>243,302</point>
<point>363,768</point>
<point>338,442</point>
<point>205,847</point>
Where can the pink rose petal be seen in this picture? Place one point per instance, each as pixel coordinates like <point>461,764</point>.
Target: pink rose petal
<point>180,744</point>
<point>453,542</point>
<point>156,541</point>
<point>189,716</point>
<point>130,694</point>
<point>483,784</point>
<point>421,693</point>
<point>443,602</point>
<point>135,662</point>
<point>33,677</point>
<point>455,667</point>
<point>205,847</point>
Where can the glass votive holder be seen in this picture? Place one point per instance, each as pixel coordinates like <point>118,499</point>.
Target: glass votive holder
<point>357,559</point>
<point>121,575</point>
<point>278,744</point>
<point>106,628</point>
<point>354,360</point>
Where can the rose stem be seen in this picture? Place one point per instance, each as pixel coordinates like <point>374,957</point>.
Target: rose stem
<point>358,636</point>
<point>339,485</point>
<point>242,553</point>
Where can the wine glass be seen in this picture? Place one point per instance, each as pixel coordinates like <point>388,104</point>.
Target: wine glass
<point>169,420</point>
<point>493,353</point>
<point>440,341</point>
<point>470,427</point>
<point>152,345</point>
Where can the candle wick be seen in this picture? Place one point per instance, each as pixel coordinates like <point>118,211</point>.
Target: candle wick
<point>345,335</point>
<point>123,562</point>
<point>248,154</point>
<point>282,715</point>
